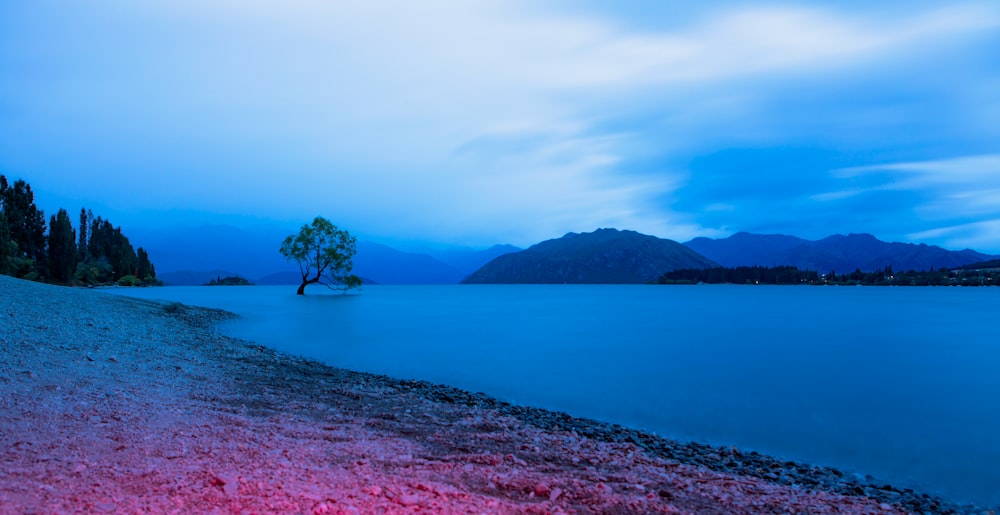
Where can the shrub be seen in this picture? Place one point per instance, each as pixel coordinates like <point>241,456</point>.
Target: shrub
<point>129,280</point>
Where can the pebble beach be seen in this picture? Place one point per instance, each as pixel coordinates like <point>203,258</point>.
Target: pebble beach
<point>116,405</point>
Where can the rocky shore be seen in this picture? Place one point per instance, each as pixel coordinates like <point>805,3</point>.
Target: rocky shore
<point>116,405</point>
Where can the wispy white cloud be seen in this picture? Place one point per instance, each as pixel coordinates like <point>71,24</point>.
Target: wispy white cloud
<point>838,195</point>
<point>953,191</point>
<point>977,235</point>
<point>441,119</point>
<point>973,172</point>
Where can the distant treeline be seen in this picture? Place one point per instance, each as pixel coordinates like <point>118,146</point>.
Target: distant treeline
<point>232,280</point>
<point>791,275</point>
<point>993,263</point>
<point>741,275</point>
<point>97,253</point>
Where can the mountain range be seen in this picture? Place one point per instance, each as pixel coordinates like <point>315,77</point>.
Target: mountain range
<point>196,255</point>
<point>602,256</point>
<point>837,253</point>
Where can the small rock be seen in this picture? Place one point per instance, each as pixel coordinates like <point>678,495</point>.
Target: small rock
<point>409,499</point>
<point>556,492</point>
<point>107,507</point>
<point>229,482</point>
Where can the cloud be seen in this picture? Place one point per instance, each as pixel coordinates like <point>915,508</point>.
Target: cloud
<point>443,120</point>
<point>961,186</point>
<point>959,197</point>
<point>980,235</point>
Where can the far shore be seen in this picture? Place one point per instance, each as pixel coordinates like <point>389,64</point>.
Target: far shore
<point>119,405</point>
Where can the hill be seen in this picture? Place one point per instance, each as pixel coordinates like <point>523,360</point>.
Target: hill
<point>746,249</point>
<point>208,248</point>
<point>834,253</point>
<point>602,256</point>
<point>467,260</point>
<point>386,265</point>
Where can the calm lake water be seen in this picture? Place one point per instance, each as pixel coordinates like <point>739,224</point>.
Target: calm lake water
<point>899,383</point>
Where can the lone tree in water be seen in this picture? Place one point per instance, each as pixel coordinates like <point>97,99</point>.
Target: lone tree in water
<point>324,254</point>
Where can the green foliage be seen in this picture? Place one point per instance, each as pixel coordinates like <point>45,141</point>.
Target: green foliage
<point>25,222</point>
<point>94,271</point>
<point>105,241</point>
<point>324,254</point>
<point>129,280</point>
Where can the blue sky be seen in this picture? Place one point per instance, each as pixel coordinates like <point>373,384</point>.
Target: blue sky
<point>474,123</point>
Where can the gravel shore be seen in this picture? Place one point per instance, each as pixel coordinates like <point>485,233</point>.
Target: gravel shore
<point>118,405</point>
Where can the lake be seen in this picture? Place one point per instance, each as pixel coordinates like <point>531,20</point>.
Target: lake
<point>899,383</point>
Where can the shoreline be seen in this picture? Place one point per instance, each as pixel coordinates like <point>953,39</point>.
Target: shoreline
<point>198,420</point>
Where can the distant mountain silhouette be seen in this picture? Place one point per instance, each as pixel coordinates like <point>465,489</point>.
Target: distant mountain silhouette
<point>835,253</point>
<point>191,277</point>
<point>745,249</point>
<point>209,247</point>
<point>602,256</point>
<point>386,265</point>
<point>467,261</point>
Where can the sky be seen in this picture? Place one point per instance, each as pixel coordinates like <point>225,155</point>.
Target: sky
<point>508,121</point>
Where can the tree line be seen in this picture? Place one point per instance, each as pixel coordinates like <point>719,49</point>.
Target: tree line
<point>740,275</point>
<point>95,253</point>
<point>983,276</point>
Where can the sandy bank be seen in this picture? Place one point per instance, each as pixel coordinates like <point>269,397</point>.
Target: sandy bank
<point>110,404</point>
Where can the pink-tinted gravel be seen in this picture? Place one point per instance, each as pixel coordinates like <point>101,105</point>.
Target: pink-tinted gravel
<point>113,405</point>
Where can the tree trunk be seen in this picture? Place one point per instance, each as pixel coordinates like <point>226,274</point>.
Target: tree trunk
<point>306,282</point>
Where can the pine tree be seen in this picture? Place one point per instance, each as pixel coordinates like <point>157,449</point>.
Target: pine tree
<point>143,269</point>
<point>81,246</point>
<point>61,248</point>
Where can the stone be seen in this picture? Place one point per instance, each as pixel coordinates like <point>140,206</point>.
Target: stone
<point>229,482</point>
<point>409,499</point>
